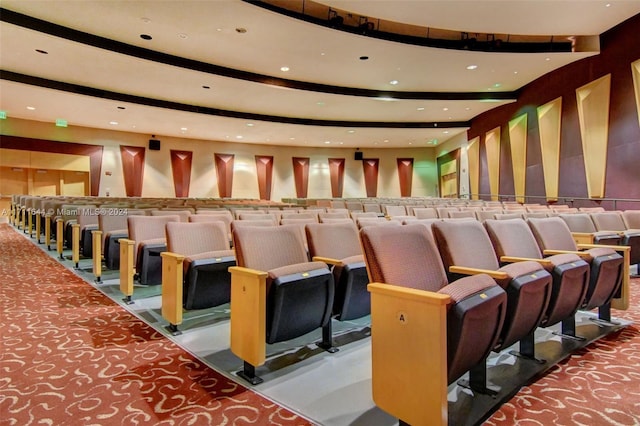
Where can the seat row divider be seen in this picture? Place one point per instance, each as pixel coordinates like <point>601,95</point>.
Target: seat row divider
<point>127,268</point>
<point>415,390</point>
<point>96,241</point>
<point>172,290</point>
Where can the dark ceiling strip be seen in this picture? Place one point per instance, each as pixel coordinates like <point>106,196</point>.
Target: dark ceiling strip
<point>159,103</point>
<point>46,27</point>
<point>469,44</point>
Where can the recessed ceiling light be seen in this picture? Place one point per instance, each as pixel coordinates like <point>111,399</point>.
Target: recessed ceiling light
<point>467,109</point>
<point>44,52</point>
<point>322,53</point>
<point>184,129</point>
<point>445,109</point>
<point>284,69</point>
<point>320,103</point>
<point>145,37</point>
<point>446,132</point>
<point>341,143</point>
<point>121,107</point>
<point>241,30</point>
<point>327,142</point>
<point>351,131</point>
<point>239,137</point>
<point>206,87</point>
<point>113,123</point>
<point>218,29</point>
<point>497,85</point>
<point>420,108</point>
<point>547,59</point>
<point>515,72</point>
<point>410,143</point>
<point>183,36</point>
<point>386,140</point>
<point>249,124</point>
<point>292,139</point>
<point>145,20</point>
<point>30,108</point>
<point>393,82</point>
<point>472,67</point>
<point>364,58</point>
<point>607,5</point>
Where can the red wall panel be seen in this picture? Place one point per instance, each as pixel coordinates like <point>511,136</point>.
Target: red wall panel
<point>264,169</point>
<point>336,173</point>
<point>301,175</point>
<point>132,169</point>
<point>181,169</point>
<point>405,175</point>
<point>370,168</point>
<point>224,171</point>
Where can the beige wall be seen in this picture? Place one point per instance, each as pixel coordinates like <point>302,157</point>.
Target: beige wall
<point>158,180</point>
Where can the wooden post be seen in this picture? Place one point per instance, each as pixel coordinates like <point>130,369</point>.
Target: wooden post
<point>60,237</point>
<point>29,222</point>
<point>47,231</point>
<point>409,353</point>
<point>75,244</point>
<point>96,244</point>
<point>38,227</point>
<point>172,279</point>
<point>126,268</point>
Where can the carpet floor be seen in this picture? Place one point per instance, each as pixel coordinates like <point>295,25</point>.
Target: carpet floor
<point>69,355</point>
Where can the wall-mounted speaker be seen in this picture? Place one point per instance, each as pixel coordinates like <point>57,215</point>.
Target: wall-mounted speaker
<point>358,156</point>
<point>154,145</point>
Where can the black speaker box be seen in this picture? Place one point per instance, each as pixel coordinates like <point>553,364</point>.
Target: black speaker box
<point>359,155</point>
<point>154,144</point>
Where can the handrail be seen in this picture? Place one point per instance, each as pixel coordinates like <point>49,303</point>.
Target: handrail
<point>569,200</point>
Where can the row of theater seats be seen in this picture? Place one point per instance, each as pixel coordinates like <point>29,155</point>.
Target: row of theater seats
<point>513,288</point>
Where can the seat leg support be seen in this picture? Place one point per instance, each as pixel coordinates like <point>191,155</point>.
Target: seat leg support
<point>173,329</point>
<point>478,381</point>
<point>248,373</point>
<point>569,330</point>
<point>327,339</point>
<point>528,349</point>
<point>604,317</point>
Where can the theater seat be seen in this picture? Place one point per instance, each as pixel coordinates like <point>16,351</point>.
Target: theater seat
<point>148,232</point>
<point>607,268</point>
<point>466,249</point>
<point>614,222</point>
<point>584,230</point>
<point>206,281</point>
<point>406,256</point>
<point>338,245</point>
<point>276,293</point>
<point>513,241</point>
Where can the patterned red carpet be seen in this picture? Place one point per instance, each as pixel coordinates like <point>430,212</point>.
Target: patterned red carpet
<point>598,385</point>
<point>71,356</point>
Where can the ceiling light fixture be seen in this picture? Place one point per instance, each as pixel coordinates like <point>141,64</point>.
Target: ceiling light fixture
<point>44,52</point>
<point>113,123</point>
<point>183,36</point>
<point>284,69</point>
<point>239,137</point>
<point>445,109</point>
<point>145,37</point>
<point>472,67</point>
<point>241,30</point>
<point>249,124</point>
<point>393,82</point>
<point>30,108</point>
<point>184,129</point>
<point>420,108</point>
<point>364,58</point>
<point>206,87</point>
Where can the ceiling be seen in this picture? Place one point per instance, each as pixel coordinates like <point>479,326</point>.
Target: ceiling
<point>212,70</point>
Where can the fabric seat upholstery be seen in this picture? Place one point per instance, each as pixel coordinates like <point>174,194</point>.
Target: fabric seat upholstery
<point>208,256</point>
<point>340,242</point>
<point>528,285</point>
<point>407,256</point>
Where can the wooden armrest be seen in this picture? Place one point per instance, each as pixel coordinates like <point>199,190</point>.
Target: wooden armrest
<point>241,270</point>
<point>497,275</point>
<point>327,260</point>
<point>582,254</point>
<point>173,256</point>
<point>423,296</point>
<point>616,248</point>
<point>511,259</point>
